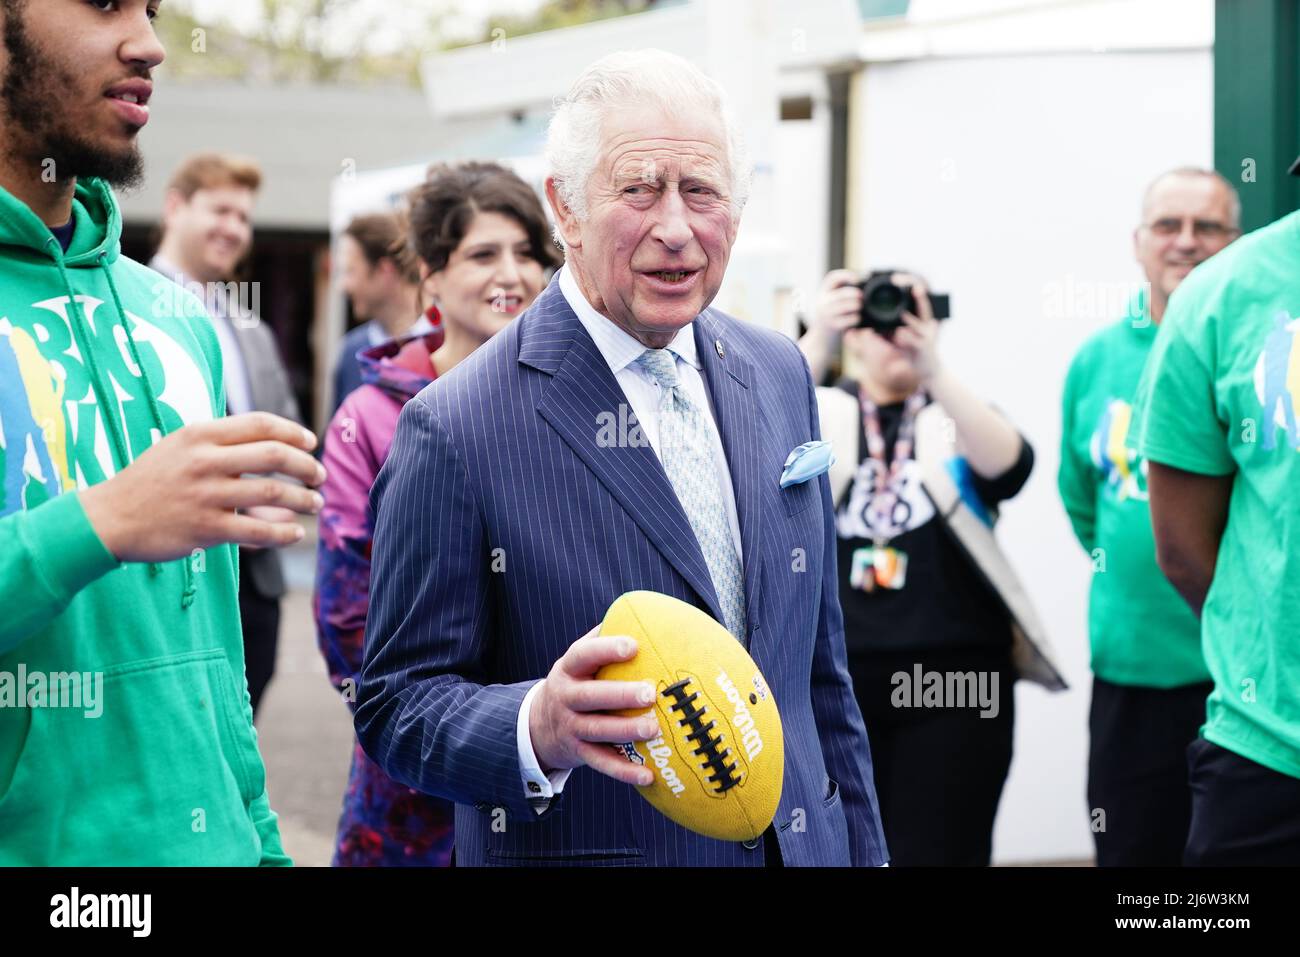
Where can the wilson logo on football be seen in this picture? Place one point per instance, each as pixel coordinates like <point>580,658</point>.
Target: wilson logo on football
<point>744,724</point>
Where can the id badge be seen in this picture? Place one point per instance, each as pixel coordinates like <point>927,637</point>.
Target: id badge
<point>862,571</point>
<point>890,567</point>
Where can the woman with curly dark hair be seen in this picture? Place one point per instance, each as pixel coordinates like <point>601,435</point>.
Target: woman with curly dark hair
<point>484,249</point>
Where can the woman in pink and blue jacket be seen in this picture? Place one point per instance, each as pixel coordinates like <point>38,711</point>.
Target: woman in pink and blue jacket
<point>484,249</point>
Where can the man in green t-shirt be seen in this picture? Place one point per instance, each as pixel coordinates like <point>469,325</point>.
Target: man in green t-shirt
<point>1150,679</point>
<point>1217,419</point>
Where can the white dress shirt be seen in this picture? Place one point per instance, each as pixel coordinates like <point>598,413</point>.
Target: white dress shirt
<point>239,391</point>
<point>621,350</point>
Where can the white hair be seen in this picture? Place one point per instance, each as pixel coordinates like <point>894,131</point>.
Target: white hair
<point>652,77</point>
<point>1234,199</point>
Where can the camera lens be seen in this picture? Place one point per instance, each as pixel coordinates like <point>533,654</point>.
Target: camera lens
<point>885,298</point>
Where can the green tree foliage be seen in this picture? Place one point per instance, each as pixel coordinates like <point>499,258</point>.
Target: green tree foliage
<point>301,41</point>
<point>330,41</point>
<point>556,14</point>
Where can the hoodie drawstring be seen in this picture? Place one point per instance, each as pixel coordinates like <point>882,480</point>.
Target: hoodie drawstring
<point>80,326</point>
<point>187,565</point>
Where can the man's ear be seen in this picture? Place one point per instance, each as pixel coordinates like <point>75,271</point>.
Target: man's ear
<point>172,203</point>
<point>565,220</point>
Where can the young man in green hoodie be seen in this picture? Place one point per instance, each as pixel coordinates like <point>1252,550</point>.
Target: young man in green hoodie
<point>1150,679</point>
<point>125,731</point>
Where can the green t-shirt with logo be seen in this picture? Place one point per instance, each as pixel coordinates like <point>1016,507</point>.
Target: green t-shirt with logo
<point>1141,631</point>
<point>1219,397</point>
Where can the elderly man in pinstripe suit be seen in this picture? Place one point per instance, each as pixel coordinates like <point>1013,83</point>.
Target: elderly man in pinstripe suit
<point>509,515</point>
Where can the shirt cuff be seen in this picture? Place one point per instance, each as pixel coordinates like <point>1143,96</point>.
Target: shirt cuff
<point>540,789</point>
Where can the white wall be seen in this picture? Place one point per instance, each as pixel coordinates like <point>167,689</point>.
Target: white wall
<point>1005,180</point>
<point>802,188</point>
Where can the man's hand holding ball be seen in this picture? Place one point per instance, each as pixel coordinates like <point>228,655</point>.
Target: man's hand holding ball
<point>566,723</point>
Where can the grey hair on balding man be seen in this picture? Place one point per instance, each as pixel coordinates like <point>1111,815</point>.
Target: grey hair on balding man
<point>651,77</point>
<point>1234,200</point>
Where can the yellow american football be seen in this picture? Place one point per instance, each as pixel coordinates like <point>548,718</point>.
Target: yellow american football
<point>720,756</point>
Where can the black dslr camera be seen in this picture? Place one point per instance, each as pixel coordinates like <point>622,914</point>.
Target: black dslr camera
<point>884,303</point>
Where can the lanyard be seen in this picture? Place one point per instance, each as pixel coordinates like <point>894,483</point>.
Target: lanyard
<point>885,495</point>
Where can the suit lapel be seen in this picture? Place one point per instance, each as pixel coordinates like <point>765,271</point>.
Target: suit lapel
<point>728,374</point>
<point>585,404</point>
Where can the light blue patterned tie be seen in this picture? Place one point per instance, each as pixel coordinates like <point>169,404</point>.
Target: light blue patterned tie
<point>686,451</point>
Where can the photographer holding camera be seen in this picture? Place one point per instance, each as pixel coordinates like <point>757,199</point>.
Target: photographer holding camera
<point>933,614</point>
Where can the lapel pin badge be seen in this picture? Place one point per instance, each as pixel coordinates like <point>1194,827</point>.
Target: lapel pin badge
<point>717,344</point>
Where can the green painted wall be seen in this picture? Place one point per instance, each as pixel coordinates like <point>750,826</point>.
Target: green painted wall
<point>1257,104</point>
<point>873,9</point>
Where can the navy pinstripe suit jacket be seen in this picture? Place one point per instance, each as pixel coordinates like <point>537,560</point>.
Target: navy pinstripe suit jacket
<point>504,530</point>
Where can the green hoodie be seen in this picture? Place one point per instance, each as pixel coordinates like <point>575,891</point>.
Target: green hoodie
<point>1142,632</point>
<point>126,734</point>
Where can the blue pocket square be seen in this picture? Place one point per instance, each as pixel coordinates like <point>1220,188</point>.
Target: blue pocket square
<point>807,461</point>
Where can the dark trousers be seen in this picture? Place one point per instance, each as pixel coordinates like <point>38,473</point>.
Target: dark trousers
<point>1242,812</point>
<point>1139,801</point>
<point>939,770</point>
<point>261,624</point>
